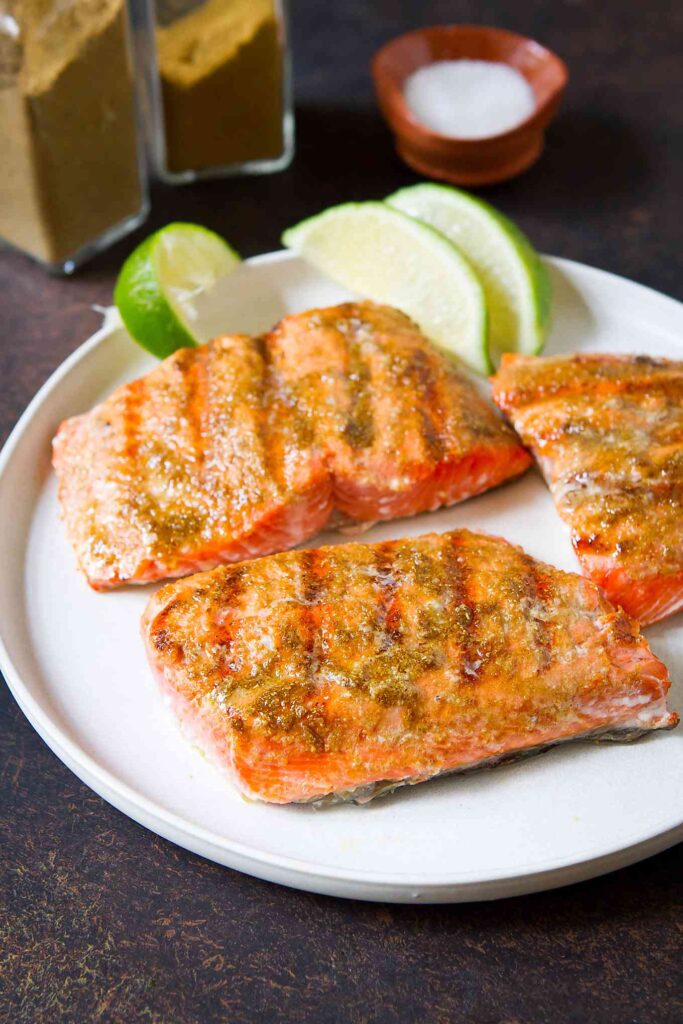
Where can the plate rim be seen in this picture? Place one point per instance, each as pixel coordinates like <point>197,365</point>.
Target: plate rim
<point>284,869</point>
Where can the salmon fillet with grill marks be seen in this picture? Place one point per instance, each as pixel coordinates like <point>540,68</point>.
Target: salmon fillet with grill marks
<point>607,432</point>
<point>246,446</point>
<point>352,669</point>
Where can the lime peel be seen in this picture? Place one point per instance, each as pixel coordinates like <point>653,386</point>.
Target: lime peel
<point>515,281</point>
<point>159,281</point>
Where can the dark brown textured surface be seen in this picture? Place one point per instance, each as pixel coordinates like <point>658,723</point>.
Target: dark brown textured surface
<point>102,921</point>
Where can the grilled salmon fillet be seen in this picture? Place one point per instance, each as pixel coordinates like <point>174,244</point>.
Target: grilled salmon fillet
<point>352,669</point>
<point>607,432</point>
<point>248,445</point>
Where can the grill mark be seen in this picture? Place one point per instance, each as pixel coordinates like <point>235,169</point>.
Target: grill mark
<point>288,404</point>
<point>311,576</point>
<point>232,587</point>
<point>471,414</point>
<point>464,612</point>
<point>591,544</point>
<point>535,589</point>
<point>285,423</point>
<point>613,518</point>
<point>649,361</point>
<point>431,437</point>
<point>579,378</point>
<point>221,595</point>
<point>304,429</point>
<point>586,423</point>
<point>300,714</point>
<point>131,417</point>
<point>209,412</point>
<point>268,455</point>
<point>228,587</point>
<point>177,526</point>
<point>420,373</point>
<point>135,470</point>
<point>433,579</point>
<point>268,691</point>
<point>312,587</point>
<point>161,635</point>
<point>669,386</point>
<point>261,347</point>
<point>632,492</point>
<point>389,672</point>
<point>195,372</point>
<point>359,429</point>
<point>388,627</point>
<point>619,505</point>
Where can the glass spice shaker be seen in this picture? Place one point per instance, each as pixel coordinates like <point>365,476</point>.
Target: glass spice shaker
<point>72,176</point>
<point>218,88</point>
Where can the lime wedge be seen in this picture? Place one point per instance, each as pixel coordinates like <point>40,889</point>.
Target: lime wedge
<point>516,283</point>
<point>389,257</point>
<point>158,283</point>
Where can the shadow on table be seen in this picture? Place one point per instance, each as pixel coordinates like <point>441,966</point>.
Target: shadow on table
<point>590,158</point>
<point>341,154</point>
<point>347,153</point>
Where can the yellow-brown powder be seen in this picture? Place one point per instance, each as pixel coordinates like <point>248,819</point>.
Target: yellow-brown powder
<point>68,163</point>
<point>221,75</point>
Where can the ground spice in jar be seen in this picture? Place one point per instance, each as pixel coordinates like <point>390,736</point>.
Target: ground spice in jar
<point>221,70</point>
<point>69,167</point>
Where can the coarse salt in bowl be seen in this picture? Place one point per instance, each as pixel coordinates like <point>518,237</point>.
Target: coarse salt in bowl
<point>494,154</point>
<point>469,99</point>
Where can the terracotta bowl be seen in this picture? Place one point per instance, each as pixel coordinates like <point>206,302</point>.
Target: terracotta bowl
<point>468,161</point>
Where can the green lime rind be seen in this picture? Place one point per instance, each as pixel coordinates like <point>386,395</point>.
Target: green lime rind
<point>151,279</point>
<point>148,316</point>
<point>390,257</point>
<point>516,283</point>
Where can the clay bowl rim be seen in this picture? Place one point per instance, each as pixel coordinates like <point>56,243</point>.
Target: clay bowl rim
<point>399,116</point>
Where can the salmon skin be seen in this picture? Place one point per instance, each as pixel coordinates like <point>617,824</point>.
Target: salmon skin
<point>349,670</point>
<point>607,432</point>
<point>247,446</point>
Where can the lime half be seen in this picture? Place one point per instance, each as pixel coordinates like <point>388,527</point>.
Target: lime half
<point>389,257</point>
<point>160,280</point>
<point>515,282</point>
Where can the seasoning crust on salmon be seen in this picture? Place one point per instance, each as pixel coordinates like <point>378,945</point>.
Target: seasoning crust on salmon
<point>352,669</point>
<point>247,446</point>
<point>607,432</point>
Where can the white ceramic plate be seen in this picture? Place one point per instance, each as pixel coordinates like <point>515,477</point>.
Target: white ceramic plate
<point>75,662</point>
